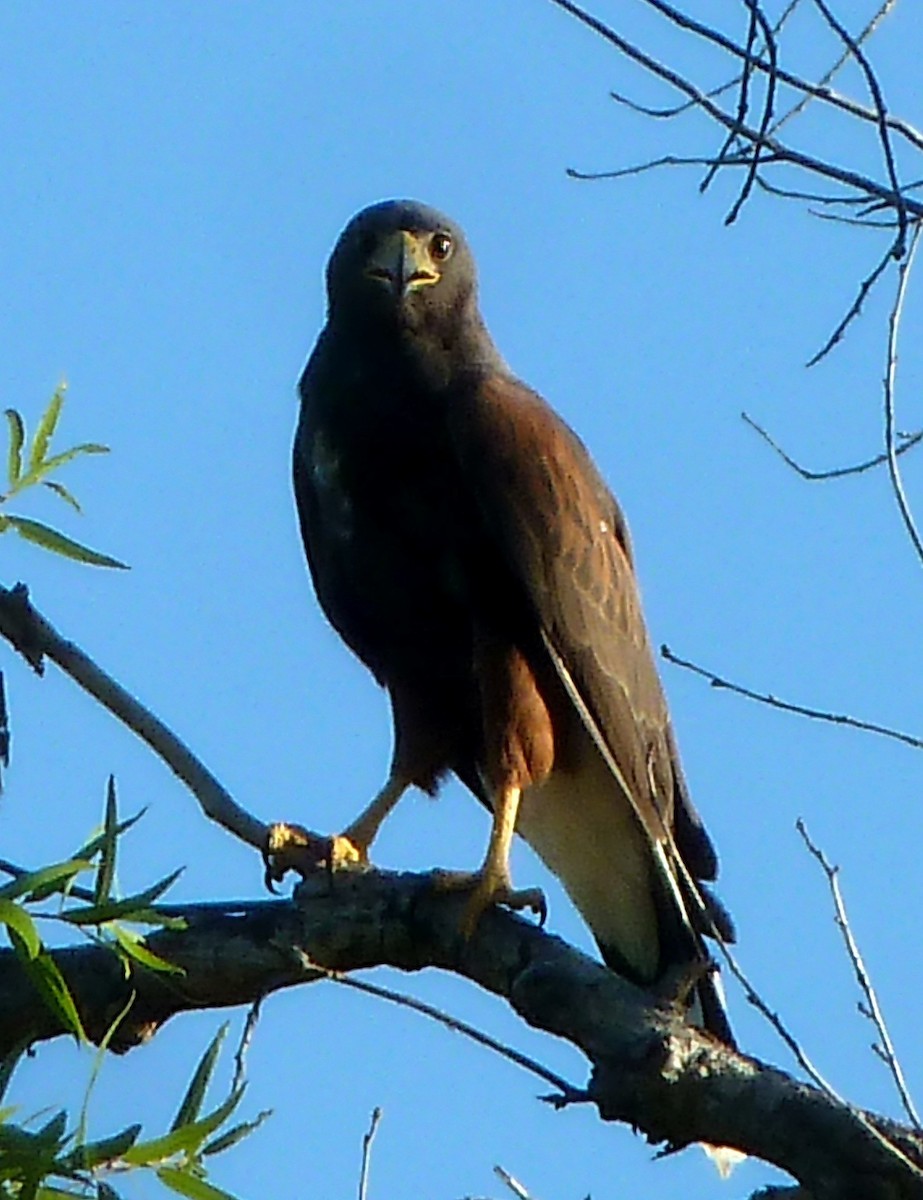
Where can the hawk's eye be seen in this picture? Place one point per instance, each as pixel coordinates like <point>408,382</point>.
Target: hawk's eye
<point>440,247</point>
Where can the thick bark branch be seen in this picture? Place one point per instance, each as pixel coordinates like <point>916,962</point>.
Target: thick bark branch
<point>648,1068</point>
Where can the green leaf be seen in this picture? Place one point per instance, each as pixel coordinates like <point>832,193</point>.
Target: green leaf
<point>60,490</point>
<point>17,437</point>
<point>48,981</point>
<point>14,916</point>
<point>46,427</point>
<point>55,877</point>
<point>151,916</point>
<point>98,914</point>
<point>132,944</point>
<point>102,888</point>
<point>66,456</point>
<point>52,539</point>
<point>191,1105</point>
<point>186,1184</point>
<point>185,1140</point>
<point>94,1154</point>
<point>52,1133</point>
<point>225,1140</point>
<point>88,849</point>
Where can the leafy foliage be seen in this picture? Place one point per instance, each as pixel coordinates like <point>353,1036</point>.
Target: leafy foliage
<point>27,468</point>
<point>53,1160</point>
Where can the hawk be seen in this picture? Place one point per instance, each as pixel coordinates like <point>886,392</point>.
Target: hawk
<point>466,548</point>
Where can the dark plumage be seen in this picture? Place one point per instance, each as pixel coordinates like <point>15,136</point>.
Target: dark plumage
<point>464,545</point>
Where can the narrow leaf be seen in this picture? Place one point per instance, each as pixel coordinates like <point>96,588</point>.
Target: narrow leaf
<point>48,981</point>
<point>105,873</point>
<point>225,1140</point>
<point>60,490</point>
<point>66,456</point>
<point>151,916</point>
<point>46,427</point>
<point>134,947</point>
<point>17,437</point>
<point>88,849</point>
<point>52,539</point>
<point>98,914</point>
<point>93,1154</point>
<point>59,875</point>
<point>191,1105</point>
<point>14,916</point>
<point>52,1133</point>
<point>192,1186</point>
<point>185,1140</point>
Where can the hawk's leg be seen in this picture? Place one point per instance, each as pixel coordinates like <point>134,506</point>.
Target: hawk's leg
<point>492,883</point>
<point>294,848</point>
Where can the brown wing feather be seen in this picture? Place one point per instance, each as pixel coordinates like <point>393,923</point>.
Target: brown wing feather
<point>567,542</point>
<point>569,545</point>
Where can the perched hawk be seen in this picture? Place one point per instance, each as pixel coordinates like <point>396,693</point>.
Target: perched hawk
<point>466,548</point>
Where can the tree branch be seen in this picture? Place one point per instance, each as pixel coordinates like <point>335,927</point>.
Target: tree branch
<point>36,639</point>
<point>673,1083</point>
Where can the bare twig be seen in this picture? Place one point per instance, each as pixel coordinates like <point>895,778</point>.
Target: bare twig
<point>779,151</point>
<point>889,380</point>
<point>844,58</point>
<point>243,1046</point>
<point>802,710</point>
<point>665,160</point>
<point>567,1091</point>
<point>756,17</point>
<point>907,442</point>
<point>513,1184</point>
<point>884,135</point>
<point>35,638</point>
<point>854,309</point>
<point>873,1011</point>
<point>367,1140</point>
<point>816,91</point>
<point>759,145</point>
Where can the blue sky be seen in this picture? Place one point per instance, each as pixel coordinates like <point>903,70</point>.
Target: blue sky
<point>172,178</point>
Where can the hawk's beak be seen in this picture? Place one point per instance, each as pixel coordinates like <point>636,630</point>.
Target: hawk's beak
<point>402,262</point>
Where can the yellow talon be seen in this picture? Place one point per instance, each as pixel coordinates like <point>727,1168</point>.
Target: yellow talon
<point>294,848</point>
<point>488,888</point>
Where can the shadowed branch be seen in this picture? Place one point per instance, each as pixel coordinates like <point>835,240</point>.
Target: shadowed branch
<point>673,1083</point>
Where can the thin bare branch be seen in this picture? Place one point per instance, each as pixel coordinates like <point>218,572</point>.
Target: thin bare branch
<point>871,1009</point>
<point>908,441</point>
<point>801,710</point>
<point>881,120</point>
<point>779,151</point>
<point>243,1046</point>
<point>854,309</point>
<point>757,18</point>
<point>513,1184</point>
<point>666,160</point>
<point>829,75</point>
<point>567,1091</point>
<point>367,1140</point>
<point>35,639</point>
<point>816,91</point>
<point>889,382</point>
